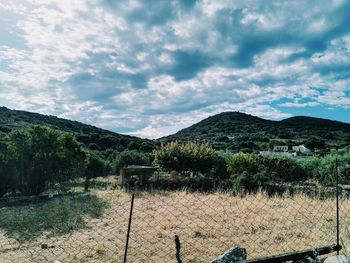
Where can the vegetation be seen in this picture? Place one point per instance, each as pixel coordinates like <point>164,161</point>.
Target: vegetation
<point>90,136</point>
<point>237,131</point>
<point>187,158</point>
<point>126,158</point>
<point>250,171</point>
<point>95,166</point>
<point>37,156</point>
<point>324,169</point>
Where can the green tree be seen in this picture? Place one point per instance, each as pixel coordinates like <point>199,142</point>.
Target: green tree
<point>95,167</point>
<point>133,146</point>
<point>7,180</point>
<point>126,158</point>
<point>315,143</point>
<point>242,162</point>
<point>147,147</point>
<point>44,156</point>
<point>186,157</point>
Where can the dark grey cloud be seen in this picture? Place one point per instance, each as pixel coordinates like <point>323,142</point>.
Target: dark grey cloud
<point>188,64</point>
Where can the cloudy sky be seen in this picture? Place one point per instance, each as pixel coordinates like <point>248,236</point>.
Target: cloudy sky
<point>150,68</point>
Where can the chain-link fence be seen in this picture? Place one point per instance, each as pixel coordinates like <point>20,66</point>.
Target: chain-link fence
<point>93,227</point>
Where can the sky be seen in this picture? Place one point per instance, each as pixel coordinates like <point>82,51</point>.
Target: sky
<point>150,68</point>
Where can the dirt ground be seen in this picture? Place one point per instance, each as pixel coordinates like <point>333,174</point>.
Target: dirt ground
<point>207,225</point>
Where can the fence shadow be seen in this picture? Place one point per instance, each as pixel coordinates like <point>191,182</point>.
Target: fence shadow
<point>57,216</point>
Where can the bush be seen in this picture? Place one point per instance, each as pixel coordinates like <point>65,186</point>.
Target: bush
<point>133,146</point>
<point>315,143</point>
<point>95,167</point>
<point>7,182</point>
<point>282,169</point>
<point>147,147</point>
<point>186,158</point>
<point>219,169</point>
<point>248,182</point>
<point>242,162</point>
<point>126,158</point>
<point>251,170</point>
<point>323,170</point>
<point>42,156</point>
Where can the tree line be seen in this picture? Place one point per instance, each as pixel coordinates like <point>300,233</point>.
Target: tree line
<point>37,158</point>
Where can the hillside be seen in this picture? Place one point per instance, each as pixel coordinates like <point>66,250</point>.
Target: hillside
<point>227,130</point>
<point>91,136</point>
<point>236,130</point>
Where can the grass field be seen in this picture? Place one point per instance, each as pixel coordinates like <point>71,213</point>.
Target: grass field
<point>93,228</point>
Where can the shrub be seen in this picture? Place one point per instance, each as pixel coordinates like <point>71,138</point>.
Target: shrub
<point>248,182</point>
<point>315,143</point>
<point>322,169</point>
<point>185,158</point>
<point>42,156</point>
<point>126,158</point>
<point>95,167</point>
<point>147,147</point>
<point>133,146</point>
<point>7,182</point>
<point>242,162</point>
<point>251,170</point>
<point>282,169</point>
<point>219,170</point>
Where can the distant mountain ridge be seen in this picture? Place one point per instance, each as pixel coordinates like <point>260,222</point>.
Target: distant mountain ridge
<point>305,120</point>
<point>226,130</point>
<point>93,137</point>
<point>236,130</point>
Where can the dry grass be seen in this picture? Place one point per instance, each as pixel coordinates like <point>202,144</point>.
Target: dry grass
<point>207,224</point>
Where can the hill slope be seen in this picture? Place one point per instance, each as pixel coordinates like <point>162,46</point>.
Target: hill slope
<point>91,136</point>
<point>235,130</point>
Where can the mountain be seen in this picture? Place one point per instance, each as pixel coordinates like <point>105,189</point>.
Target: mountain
<point>91,136</point>
<point>236,130</point>
<point>311,121</point>
<point>227,130</point>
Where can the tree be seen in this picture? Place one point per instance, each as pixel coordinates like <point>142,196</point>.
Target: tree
<point>7,182</point>
<point>147,147</point>
<point>43,156</point>
<point>186,158</point>
<point>315,143</point>
<point>133,146</point>
<point>95,167</point>
<point>126,158</point>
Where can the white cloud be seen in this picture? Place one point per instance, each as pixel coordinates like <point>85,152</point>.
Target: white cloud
<point>150,70</point>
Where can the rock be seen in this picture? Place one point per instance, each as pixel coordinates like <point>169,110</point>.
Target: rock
<point>44,246</point>
<point>235,254</point>
<point>337,259</point>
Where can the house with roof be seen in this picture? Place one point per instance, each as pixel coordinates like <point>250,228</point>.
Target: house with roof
<point>280,148</point>
<point>301,149</point>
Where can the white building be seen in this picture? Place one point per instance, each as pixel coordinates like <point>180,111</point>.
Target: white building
<point>301,149</point>
<point>280,148</point>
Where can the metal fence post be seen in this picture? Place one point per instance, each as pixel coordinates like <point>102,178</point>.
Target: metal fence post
<point>337,182</point>
<point>129,228</point>
<point>178,249</point>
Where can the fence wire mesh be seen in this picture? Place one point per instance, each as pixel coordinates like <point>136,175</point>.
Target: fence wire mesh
<point>76,228</point>
<point>210,224</point>
<point>93,227</point>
